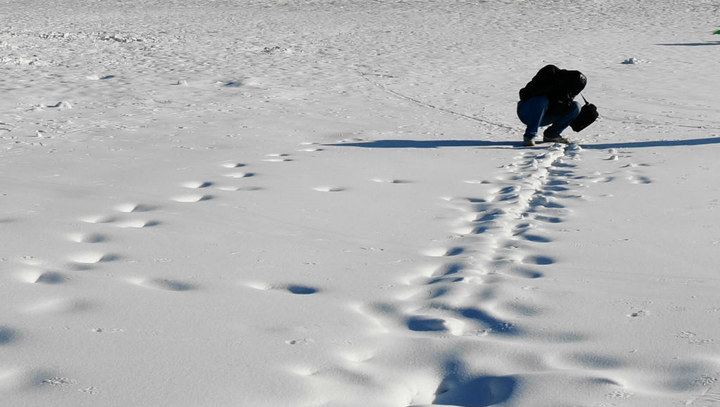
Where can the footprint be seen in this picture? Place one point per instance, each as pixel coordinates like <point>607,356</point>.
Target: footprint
<point>555,188</point>
<point>459,390</point>
<point>488,321</point>
<point>489,216</point>
<point>557,182</point>
<point>536,238</point>
<point>358,355</point>
<point>539,260</point>
<point>638,179</point>
<point>259,285</point>
<point>604,179</point>
<point>277,158</point>
<point>304,371</point>
<point>468,230</point>
<point>239,175</point>
<point>447,270</point>
<point>88,238</point>
<point>50,277</point>
<point>300,289</point>
<point>389,181</point>
<point>546,201</point>
<point>444,252</point>
<point>329,189</point>
<point>508,190</point>
<point>548,219</point>
<point>426,324</point>
<point>310,149</point>
<point>42,277</point>
<point>297,289</point>
<point>136,223</point>
<point>594,361</point>
<point>7,336</point>
<point>131,207</point>
<point>233,188</point>
<point>197,184</point>
<point>92,258</point>
<point>526,273</point>
<point>59,306</point>
<point>191,198</point>
<point>165,284</point>
<point>98,219</point>
<point>521,309</point>
<point>232,165</point>
<point>432,324</point>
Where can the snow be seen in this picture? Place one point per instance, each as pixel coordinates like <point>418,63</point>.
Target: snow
<point>324,203</point>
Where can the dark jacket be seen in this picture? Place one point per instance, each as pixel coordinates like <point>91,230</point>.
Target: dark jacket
<point>559,85</point>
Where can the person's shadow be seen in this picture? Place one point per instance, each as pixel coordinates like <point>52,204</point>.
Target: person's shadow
<point>692,44</point>
<point>498,144</point>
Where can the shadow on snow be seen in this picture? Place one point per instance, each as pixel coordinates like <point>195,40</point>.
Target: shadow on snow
<point>692,44</point>
<point>458,388</point>
<point>495,144</point>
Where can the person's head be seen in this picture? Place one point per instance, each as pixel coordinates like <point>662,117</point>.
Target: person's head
<point>574,81</point>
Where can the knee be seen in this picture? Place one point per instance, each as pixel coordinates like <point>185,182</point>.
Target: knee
<point>532,109</point>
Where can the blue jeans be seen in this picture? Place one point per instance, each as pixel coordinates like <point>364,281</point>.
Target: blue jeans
<point>532,113</point>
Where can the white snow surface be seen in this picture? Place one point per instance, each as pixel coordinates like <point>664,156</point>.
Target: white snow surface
<point>324,203</point>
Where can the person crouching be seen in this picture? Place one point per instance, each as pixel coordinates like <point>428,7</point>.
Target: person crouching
<point>549,100</point>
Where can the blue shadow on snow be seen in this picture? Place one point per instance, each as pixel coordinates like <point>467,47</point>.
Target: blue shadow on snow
<point>460,389</point>
<point>481,143</point>
<point>692,44</point>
